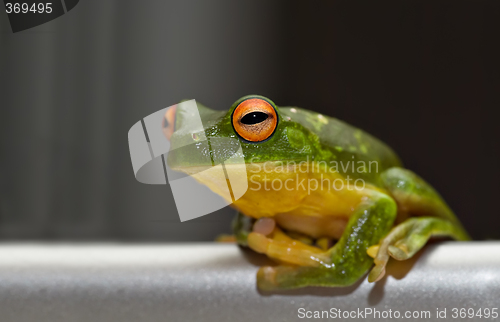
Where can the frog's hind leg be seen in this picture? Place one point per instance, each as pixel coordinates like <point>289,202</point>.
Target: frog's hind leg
<point>415,196</point>
<point>348,260</point>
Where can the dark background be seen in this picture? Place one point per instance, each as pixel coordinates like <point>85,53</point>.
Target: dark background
<point>423,76</point>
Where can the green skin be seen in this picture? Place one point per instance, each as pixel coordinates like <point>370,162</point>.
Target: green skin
<point>304,135</point>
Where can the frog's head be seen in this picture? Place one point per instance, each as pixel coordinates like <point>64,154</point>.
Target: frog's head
<point>250,138</point>
<point>254,122</point>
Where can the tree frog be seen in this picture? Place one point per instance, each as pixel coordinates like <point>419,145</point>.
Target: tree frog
<point>325,200</point>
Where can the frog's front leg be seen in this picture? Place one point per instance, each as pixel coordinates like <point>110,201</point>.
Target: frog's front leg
<point>417,197</point>
<point>348,260</point>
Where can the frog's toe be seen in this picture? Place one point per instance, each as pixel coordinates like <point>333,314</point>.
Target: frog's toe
<point>372,251</point>
<point>377,272</point>
<point>266,278</point>
<point>380,254</point>
<point>399,252</point>
<point>389,247</point>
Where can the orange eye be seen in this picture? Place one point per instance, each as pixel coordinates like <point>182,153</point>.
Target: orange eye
<point>168,123</point>
<point>254,120</point>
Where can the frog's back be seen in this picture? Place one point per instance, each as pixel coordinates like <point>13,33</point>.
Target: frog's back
<point>346,142</point>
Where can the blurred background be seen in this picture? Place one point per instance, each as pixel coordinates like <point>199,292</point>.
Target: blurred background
<point>423,76</point>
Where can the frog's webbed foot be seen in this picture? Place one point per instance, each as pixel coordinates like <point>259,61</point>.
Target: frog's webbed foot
<point>407,238</point>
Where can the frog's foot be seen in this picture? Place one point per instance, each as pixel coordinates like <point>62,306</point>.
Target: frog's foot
<point>407,238</point>
<point>268,239</point>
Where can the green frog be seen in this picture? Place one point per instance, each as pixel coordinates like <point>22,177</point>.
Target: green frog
<point>325,200</point>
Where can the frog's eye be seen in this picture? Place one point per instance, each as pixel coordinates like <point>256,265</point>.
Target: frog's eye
<point>254,119</point>
<point>168,123</point>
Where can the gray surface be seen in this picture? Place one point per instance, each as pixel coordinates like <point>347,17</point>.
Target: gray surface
<point>216,282</point>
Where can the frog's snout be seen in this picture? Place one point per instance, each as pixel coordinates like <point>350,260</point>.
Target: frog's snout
<point>168,122</point>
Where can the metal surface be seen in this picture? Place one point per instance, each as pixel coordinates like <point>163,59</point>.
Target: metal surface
<point>216,282</point>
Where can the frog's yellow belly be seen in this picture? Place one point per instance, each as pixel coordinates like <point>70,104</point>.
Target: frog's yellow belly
<point>314,202</point>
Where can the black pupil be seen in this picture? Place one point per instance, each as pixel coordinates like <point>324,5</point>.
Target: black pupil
<point>254,118</point>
